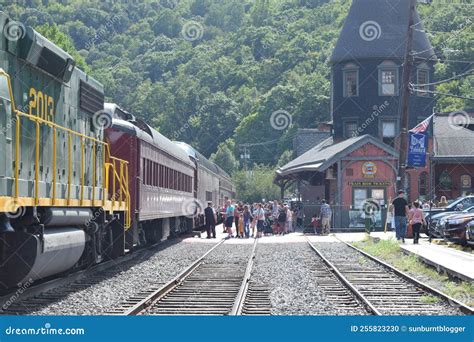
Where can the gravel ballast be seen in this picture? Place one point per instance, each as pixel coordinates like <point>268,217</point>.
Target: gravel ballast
<point>286,268</point>
<point>154,267</point>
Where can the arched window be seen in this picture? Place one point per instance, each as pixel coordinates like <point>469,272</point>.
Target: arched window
<point>423,184</point>
<point>388,79</point>
<point>350,80</point>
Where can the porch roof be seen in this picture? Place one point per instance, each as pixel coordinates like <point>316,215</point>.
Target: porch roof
<point>325,154</point>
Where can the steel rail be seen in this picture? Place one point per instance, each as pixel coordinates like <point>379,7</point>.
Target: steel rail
<point>240,299</point>
<point>370,307</point>
<point>24,292</point>
<point>463,307</point>
<point>168,287</point>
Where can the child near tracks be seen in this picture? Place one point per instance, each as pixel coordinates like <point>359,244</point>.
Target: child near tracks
<point>247,218</point>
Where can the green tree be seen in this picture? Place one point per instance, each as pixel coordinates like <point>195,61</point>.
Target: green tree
<point>225,158</point>
<point>53,33</point>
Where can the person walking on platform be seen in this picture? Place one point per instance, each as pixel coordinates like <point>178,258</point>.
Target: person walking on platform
<point>289,220</point>
<point>400,212</point>
<point>211,219</point>
<point>247,218</point>
<point>325,214</point>
<point>229,214</point>
<point>281,220</point>
<point>260,215</point>
<point>237,212</point>
<point>253,223</point>
<point>416,218</point>
<point>300,217</point>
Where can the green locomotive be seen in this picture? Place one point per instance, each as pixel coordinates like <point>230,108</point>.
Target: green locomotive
<point>63,198</point>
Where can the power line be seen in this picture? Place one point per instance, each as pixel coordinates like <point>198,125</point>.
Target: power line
<point>468,73</point>
<point>442,94</point>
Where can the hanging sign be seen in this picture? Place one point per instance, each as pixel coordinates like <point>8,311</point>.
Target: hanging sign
<point>369,169</point>
<point>417,145</point>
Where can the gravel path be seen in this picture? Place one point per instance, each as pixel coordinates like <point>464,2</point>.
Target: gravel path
<point>286,269</point>
<point>154,268</point>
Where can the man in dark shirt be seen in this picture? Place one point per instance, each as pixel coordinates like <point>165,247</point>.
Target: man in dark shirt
<point>210,216</point>
<point>400,212</point>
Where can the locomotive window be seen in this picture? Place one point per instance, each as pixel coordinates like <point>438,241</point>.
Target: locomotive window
<point>4,90</point>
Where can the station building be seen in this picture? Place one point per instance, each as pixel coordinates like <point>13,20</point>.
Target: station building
<point>358,162</point>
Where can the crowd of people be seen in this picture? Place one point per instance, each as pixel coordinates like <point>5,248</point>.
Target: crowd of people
<point>244,220</point>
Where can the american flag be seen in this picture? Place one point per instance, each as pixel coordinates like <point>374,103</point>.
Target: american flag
<point>422,126</point>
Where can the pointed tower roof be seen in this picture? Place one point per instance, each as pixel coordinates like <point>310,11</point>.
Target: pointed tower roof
<point>378,29</point>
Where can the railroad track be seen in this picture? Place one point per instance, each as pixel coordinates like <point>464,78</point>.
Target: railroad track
<point>206,287</point>
<point>30,298</point>
<point>381,288</point>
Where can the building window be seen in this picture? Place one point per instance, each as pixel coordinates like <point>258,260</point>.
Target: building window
<point>423,185</point>
<point>389,132</point>
<point>388,82</point>
<point>350,129</point>
<point>423,77</point>
<point>351,80</point>
<point>466,184</point>
<point>208,196</point>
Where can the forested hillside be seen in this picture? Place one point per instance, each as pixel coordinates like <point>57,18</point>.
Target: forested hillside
<point>213,72</point>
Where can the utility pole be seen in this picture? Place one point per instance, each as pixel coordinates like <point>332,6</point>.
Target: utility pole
<point>245,156</point>
<point>405,97</point>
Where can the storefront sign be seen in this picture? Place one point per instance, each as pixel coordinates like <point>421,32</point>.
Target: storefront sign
<point>368,183</point>
<point>369,169</point>
<point>418,142</point>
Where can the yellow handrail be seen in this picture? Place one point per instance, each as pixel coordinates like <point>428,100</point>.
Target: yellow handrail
<point>121,179</point>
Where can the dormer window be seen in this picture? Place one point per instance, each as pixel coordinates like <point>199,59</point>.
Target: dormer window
<point>423,77</point>
<point>388,79</point>
<point>351,80</point>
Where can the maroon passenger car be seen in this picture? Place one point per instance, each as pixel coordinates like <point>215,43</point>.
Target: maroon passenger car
<point>161,177</point>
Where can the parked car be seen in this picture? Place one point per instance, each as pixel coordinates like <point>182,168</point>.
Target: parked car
<point>470,233</point>
<point>435,227</point>
<point>455,227</point>
<point>459,203</point>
